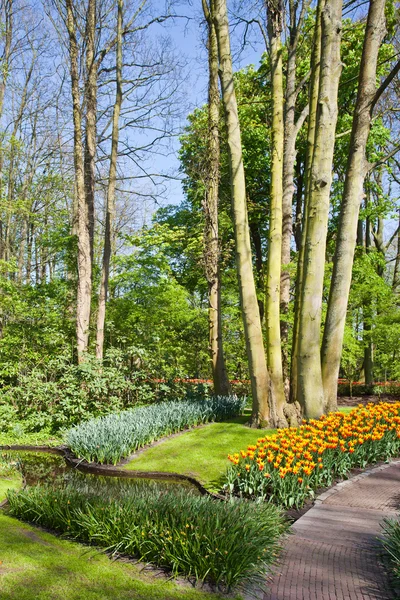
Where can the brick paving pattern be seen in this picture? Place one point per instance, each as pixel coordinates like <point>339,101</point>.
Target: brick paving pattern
<point>334,553</point>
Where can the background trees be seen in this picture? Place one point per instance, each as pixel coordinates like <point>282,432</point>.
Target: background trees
<point>270,220</point>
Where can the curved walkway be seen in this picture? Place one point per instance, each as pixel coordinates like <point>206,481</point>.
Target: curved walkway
<point>334,553</point>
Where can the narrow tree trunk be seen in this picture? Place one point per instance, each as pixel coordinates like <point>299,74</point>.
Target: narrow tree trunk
<point>274,356</point>
<point>248,297</point>
<point>84,291</point>
<point>31,231</point>
<point>367,312</point>
<point>5,64</point>
<point>310,388</point>
<point>210,205</point>
<point>299,205</point>
<point>91,118</point>
<point>112,178</point>
<point>291,129</point>
<point>260,287</point>
<point>352,196</point>
<point>396,271</point>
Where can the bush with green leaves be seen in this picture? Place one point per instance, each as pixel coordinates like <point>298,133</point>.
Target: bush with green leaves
<point>391,543</point>
<point>225,543</point>
<point>113,437</point>
<point>63,393</point>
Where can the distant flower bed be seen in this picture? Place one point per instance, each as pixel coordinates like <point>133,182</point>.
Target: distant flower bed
<point>225,543</point>
<point>286,468</point>
<point>109,439</point>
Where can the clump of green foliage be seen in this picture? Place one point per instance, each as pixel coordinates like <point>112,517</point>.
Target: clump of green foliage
<point>63,394</point>
<point>391,543</point>
<point>109,439</point>
<point>223,543</point>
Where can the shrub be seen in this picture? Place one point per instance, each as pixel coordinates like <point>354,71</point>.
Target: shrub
<point>391,543</point>
<point>287,467</point>
<point>65,394</point>
<point>225,543</point>
<point>110,438</point>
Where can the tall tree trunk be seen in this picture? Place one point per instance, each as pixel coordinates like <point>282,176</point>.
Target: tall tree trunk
<point>274,356</point>
<point>91,118</point>
<point>367,312</point>
<point>248,297</point>
<point>291,129</point>
<point>312,120</point>
<point>310,389</point>
<point>349,211</point>
<point>210,205</point>
<point>84,292</point>
<point>5,64</point>
<point>112,178</point>
<point>396,271</point>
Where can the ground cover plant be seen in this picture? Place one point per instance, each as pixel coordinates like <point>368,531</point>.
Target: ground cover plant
<point>200,453</point>
<point>288,467</point>
<point>225,543</point>
<point>109,439</point>
<point>391,543</point>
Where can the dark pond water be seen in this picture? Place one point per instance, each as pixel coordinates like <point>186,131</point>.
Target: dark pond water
<point>43,468</point>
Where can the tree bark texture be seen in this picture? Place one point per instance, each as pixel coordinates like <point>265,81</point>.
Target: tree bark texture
<point>91,117</point>
<point>248,297</point>
<point>289,158</point>
<point>110,205</point>
<point>310,388</point>
<point>84,291</point>
<point>210,206</point>
<point>312,119</point>
<point>352,196</point>
<point>273,277</point>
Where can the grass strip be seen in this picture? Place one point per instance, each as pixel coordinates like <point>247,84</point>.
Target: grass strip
<point>201,453</point>
<point>109,439</point>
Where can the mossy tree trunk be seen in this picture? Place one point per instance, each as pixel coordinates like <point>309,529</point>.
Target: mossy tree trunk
<point>248,297</point>
<point>310,392</point>
<point>350,206</point>
<point>210,206</point>
<point>273,277</point>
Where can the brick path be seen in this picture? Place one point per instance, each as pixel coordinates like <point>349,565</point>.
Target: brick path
<point>334,552</point>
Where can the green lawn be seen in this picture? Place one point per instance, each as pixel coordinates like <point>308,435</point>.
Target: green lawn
<point>35,565</point>
<point>201,453</point>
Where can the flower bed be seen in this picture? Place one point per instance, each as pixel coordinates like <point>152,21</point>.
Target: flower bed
<point>109,439</point>
<point>288,467</point>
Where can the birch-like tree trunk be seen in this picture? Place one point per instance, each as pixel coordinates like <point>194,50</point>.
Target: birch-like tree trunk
<point>352,196</point>
<point>84,292</point>
<point>273,278</point>
<point>112,178</point>
<point>210,206</point>
<point>310,392</point>
<point>248,297</point>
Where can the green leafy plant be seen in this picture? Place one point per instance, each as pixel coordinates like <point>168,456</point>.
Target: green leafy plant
<point>226,543</point>
<point>111,438</point>
<point>391,543</point>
